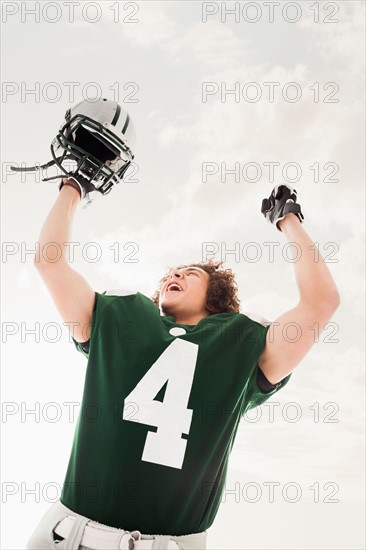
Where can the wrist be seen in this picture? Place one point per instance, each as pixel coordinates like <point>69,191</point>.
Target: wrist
<point>288,220</point>
<point>71,188</point>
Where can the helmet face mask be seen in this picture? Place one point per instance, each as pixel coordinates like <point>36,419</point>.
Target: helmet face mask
<point>100,156</point>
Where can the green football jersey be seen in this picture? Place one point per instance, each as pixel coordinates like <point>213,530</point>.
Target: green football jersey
<point>161,405</point>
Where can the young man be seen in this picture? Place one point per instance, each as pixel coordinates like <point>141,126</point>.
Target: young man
<point>168,379</point>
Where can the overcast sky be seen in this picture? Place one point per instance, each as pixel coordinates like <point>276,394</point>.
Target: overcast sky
<point>170,64</point>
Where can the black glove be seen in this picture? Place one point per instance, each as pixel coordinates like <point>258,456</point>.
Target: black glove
<point>282,201</point>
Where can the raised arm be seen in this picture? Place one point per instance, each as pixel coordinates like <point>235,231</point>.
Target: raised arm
<point>71,293</point>
<point>292,334</point>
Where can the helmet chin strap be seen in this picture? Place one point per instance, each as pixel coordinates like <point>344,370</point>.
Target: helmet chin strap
<point>54,177</point>
<point>35,168</point>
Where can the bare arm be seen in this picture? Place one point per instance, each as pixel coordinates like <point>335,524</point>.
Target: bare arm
<point>71,293</point>
<point>292,334</point>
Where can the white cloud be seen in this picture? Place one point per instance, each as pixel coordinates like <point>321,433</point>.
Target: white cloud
<point>154,27</point>
<point>24,279</point>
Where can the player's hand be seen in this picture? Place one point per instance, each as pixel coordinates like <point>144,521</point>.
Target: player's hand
<point>282,201</point>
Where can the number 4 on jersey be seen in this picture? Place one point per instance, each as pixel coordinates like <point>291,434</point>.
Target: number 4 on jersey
<point>171,417</point>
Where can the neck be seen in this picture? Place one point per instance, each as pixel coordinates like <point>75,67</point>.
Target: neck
<point>182,319</point>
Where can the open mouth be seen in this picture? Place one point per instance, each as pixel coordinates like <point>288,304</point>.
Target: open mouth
<point>174,287</point>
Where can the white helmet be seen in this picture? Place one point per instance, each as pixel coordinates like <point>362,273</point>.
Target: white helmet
<point>98,136</point>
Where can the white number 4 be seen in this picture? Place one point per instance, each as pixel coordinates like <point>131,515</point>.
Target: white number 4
<point>171,417</point>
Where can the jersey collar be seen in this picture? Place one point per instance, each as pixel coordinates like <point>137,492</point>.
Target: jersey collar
<point>215,316</point>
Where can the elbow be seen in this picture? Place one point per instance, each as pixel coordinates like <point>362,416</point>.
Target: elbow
<point>337,300</point>
<point>324,303</point>
<point>334,299</point>
<point>330,302</point>
<point>330,297</point>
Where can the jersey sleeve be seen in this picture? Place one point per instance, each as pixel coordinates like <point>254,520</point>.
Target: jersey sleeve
<point>101,301</point>
<point>83,347</point>
<point>259,389</point>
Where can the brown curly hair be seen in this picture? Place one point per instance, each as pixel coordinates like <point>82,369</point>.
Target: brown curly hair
<point>222,295</point>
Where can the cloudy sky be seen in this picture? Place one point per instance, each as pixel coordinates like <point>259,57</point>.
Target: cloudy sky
<point>197,82</point>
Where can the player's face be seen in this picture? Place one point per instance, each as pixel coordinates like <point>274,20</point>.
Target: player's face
<point>184,294</point>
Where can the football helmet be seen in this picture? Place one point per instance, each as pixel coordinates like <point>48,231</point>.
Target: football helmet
<point>94,146</point>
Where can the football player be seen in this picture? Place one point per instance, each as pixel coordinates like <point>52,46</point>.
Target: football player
<point>168,379</point>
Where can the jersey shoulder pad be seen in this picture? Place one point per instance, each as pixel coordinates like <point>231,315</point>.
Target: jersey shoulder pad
<point>258,318</point>
<point>120,292</point>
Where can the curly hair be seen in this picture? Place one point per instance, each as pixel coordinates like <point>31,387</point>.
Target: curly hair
<point>222,295</point>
